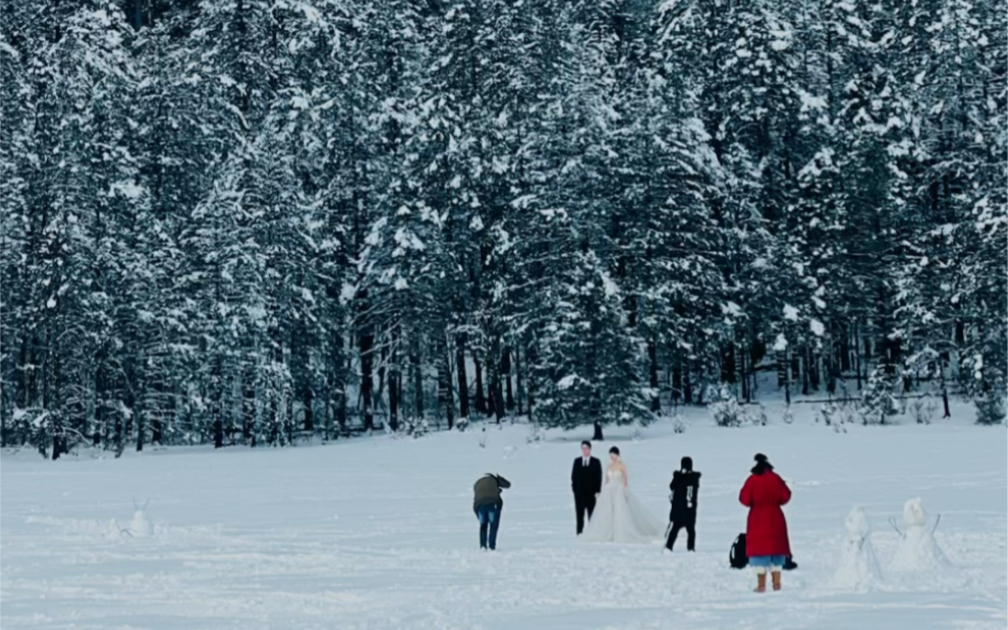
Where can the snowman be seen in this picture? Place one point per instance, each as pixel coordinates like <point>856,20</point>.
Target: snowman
<point>918,551</point>
<point>859,568</point>
<point>140,526</point>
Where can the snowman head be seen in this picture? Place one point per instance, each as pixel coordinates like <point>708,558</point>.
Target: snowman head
<point>857,523</point>
<point>914,512</point>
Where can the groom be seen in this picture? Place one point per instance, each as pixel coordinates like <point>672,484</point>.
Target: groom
<point>586,482</point>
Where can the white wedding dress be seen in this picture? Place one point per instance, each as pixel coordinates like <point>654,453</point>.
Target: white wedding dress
<point>619,516</point>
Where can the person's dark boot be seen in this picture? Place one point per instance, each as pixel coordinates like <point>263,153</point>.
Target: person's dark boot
<point>776,580</point>
<point>761,582</point>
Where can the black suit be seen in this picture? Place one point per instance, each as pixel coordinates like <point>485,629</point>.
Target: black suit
<point>586,482</point>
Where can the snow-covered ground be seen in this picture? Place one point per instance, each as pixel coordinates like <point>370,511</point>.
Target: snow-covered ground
<point>379,533</point>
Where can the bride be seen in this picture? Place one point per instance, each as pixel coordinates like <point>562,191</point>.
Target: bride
<point>619,516</point>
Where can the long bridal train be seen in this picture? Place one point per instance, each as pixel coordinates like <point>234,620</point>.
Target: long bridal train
<point>620,516</point>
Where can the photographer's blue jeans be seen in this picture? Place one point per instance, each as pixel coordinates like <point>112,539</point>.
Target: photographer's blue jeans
<point>489,518</point>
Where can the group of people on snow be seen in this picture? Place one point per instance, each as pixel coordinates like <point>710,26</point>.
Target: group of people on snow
<point>607,511</point>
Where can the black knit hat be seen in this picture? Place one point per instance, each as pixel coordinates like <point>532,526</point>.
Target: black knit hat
<point>762,465</point>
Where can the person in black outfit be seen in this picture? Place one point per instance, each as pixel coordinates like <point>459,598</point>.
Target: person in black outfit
<point>685,486</point>
<point>586,482</point>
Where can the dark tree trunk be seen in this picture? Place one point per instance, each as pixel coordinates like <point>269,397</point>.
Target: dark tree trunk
<point>463,380</point>
<point>57,440</point>
<point>530,361</point>
<point>400,392</point>
<point>832,361</point>
<point>857,355</point>
<point>744,375</point>
<point>782,367</point>
<point>787,377</point>
<point>393,402</point>
<point>340,369</point>
<point>218,427</point>
<point>444,380</point>
<point>341,410</point>
<point>506,375</point>
<point>518,379</point>
<point>805,372</point>
<point>449,390</point>
<point>129,384</point>
<point>728,364</point>
<point>652,350</point>
<point>248,404</point>
<point>687,386</point>
<point>140,431</point>
<point>497,389</point>
<point>382,372</point>
<point>302,375</point>
<point>598,437</point>
<point>366,341</point>
<point>700,368</point>
<point>417,373</point>
<point>394,392</point>
<point>499,401</point>
<point>274,424</point>
<point>813,370</point>
<point>308,401</point>
<point>677,380</point>
<point>481,406</point>
<point>4,406</point>
<point>140,406</point>
<point>845,359</point>
<point>157,436</point>
<point>217,387</point>
<point>99,419</point>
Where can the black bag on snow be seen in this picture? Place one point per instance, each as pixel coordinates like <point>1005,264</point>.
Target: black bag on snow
<point>737,556</point>
<point>739,560</point>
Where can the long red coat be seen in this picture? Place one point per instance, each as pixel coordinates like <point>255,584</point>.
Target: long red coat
<point>766,529</point>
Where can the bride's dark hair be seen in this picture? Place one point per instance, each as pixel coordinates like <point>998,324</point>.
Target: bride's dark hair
<point>614,451</point>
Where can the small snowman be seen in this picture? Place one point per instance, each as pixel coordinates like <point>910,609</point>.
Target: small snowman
<point>140,526</point>
<point>918,550</point>
<point>859,568</point>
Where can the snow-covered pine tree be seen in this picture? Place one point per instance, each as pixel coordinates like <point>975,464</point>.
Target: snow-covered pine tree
<point>871,119</point>
<point>213,196</point>
<point>17,146</point>
<point>583,357</point>
<point>945,70</point>
<point>82,203</point>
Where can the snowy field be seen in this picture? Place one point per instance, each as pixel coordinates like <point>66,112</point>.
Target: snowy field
<point>379,533</point>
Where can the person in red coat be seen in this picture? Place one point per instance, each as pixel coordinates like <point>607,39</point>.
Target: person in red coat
<point>767,543</point>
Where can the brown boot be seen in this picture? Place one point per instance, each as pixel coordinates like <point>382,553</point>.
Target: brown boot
<point>761,582</point>
<point>776,580</point>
